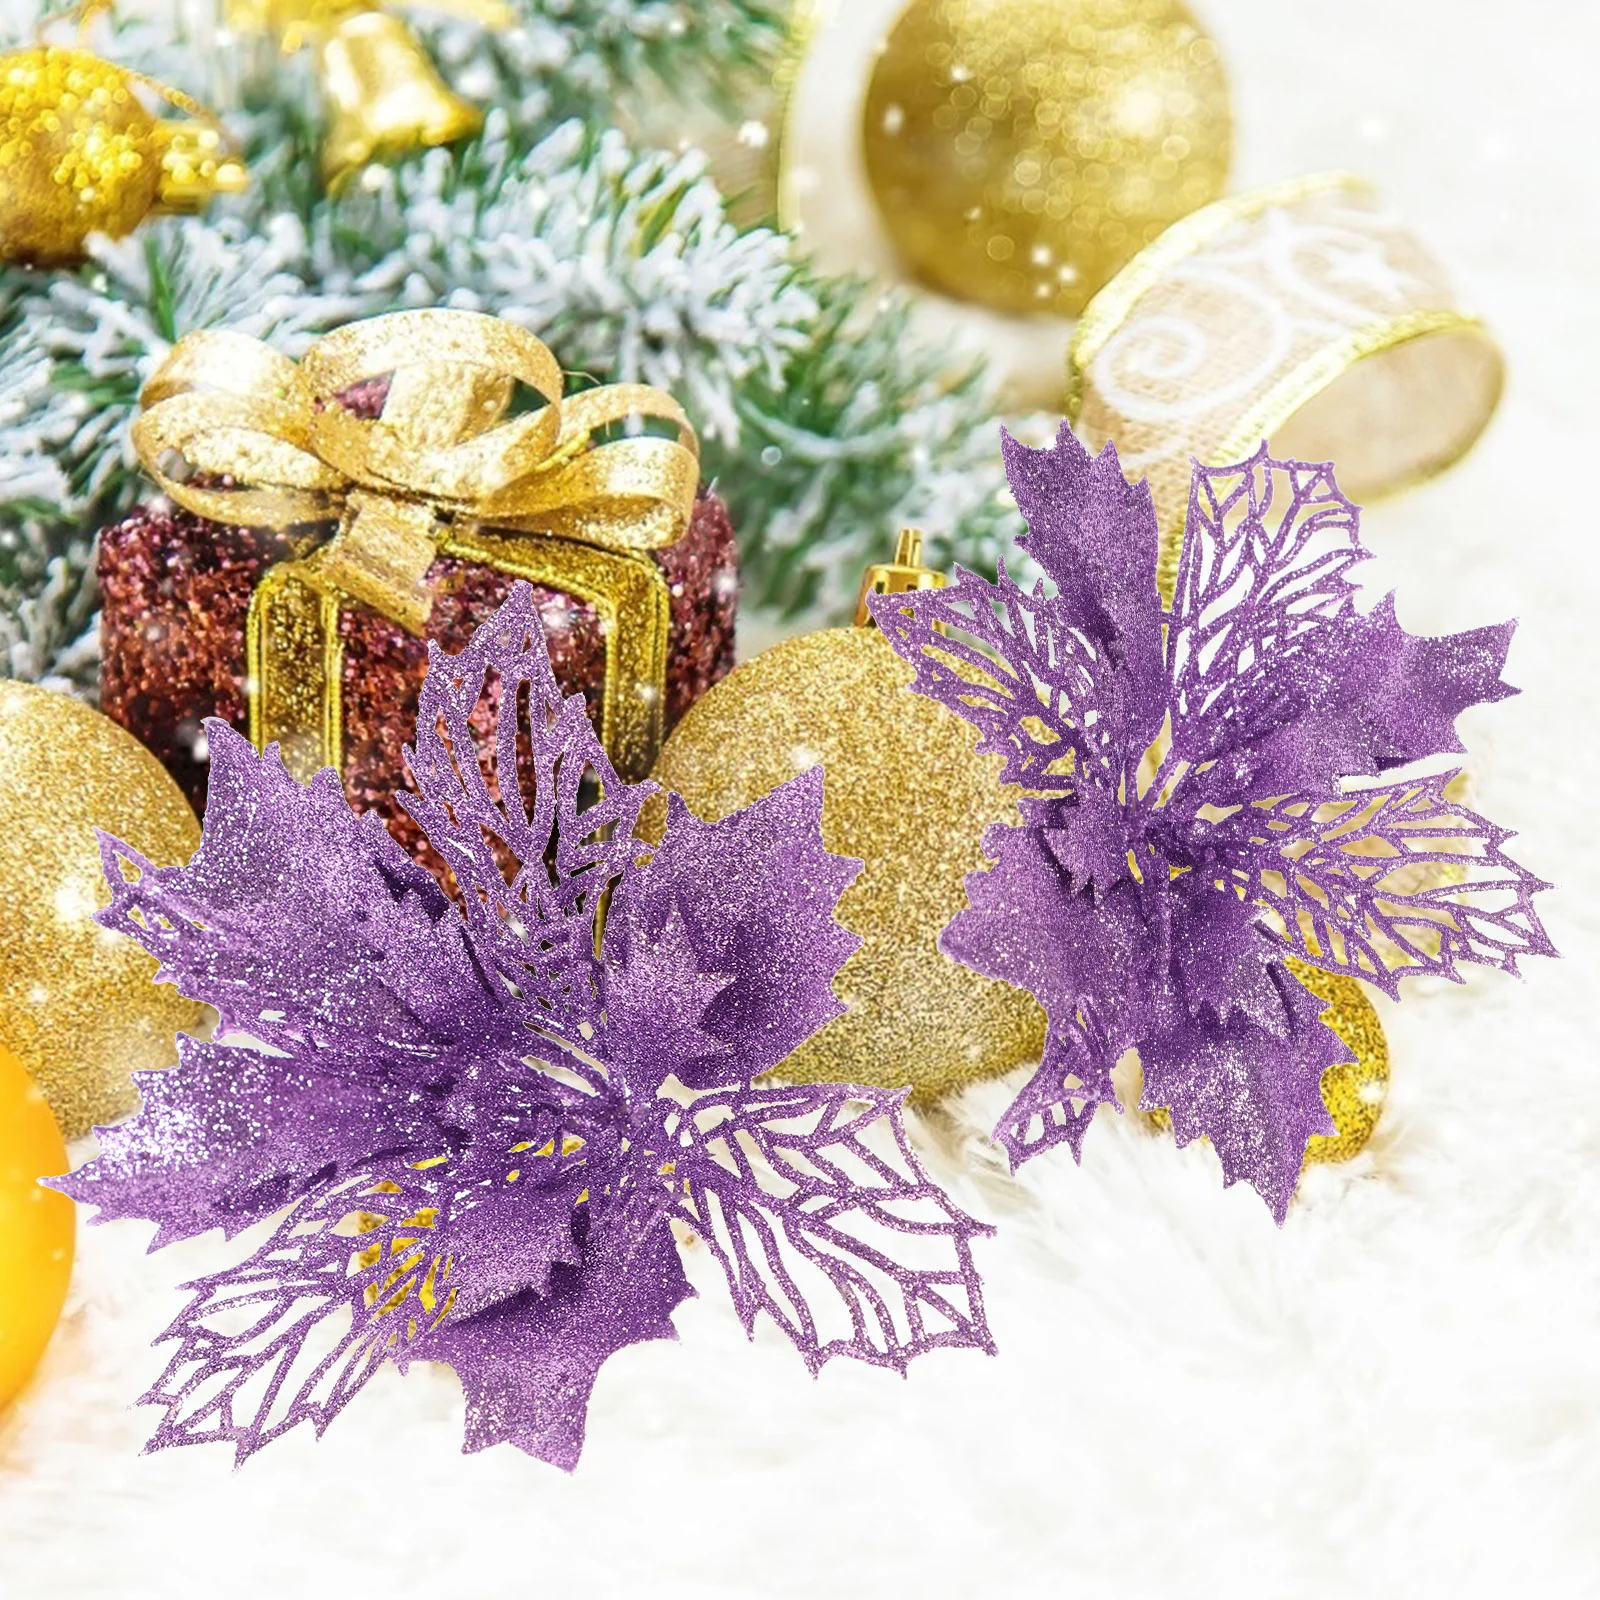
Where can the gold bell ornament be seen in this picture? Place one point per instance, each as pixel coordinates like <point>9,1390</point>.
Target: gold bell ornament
<point>81,153</point>
<point>904,792</point>
<point>1020,151</point>
<point>383,95</point>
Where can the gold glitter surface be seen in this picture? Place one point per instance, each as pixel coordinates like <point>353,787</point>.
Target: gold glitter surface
<point>77,1004</point>
<point>1353,1092</point>
<point>79,154</point>
<point>905,792</point>
<point>1021,150</point>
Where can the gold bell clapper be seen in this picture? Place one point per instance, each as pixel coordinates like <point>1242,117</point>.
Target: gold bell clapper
<point>81,153</point>
<point>383,95</point>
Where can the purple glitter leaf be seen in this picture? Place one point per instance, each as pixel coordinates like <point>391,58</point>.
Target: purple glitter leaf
<point>1163,873</point>
<point>1256,1096</point>
<point>1094,533</point>
<point>812,1200</point>
<point>527,1366</point>
<point>368,1267</point>
<point>1381,882</point>
<point>302,924</point>
<point>748,901</point>
<point>1006,660</point>
<point>1279,684</point>
<point>230,1136</point>
<point>535,932</point>
<point>1059,1101</point>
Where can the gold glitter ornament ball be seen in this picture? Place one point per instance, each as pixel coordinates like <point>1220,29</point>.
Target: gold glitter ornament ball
<point>903,791</point>
<point>1020,151</point>
<point>1353,1091</point>
<point>77,1004</point>
<point>80,154</point>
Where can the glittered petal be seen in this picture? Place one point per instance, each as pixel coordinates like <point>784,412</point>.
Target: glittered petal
<point>229,1136</point>
<point>377,1265</point>
<point>1257,1097</point>
<point>532,859</point>
<point>1383,882</point>
<point>812,1200</point>
<point>1010,662</point>
<point>1263,586</point>
<point>299,922</point>
<point>1059,1101</point>
<point>293,1332</point>
<point>1222,960</point>
<point>754,894</point>
<point>1076,950</point>
<point>1279,683</point>
<point>1095,534</point>
<point>527,1367</point>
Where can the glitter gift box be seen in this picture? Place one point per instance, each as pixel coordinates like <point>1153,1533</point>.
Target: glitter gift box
<point>177,589</point>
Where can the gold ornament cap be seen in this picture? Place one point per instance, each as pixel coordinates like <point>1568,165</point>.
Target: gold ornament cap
<point>904,575</point>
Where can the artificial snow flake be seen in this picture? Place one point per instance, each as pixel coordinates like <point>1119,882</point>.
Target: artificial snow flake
<point>1212,790</point>
<point>475,1128</point>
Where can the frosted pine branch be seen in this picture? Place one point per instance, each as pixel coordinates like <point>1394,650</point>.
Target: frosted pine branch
<point>624,263</point>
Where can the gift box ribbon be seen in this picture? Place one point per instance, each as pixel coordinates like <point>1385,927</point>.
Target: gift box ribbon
<point>237,432</point>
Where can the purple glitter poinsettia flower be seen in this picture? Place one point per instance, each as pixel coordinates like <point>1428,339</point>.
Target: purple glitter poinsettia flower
<point>1209,797</point>
<point>475,1129</point>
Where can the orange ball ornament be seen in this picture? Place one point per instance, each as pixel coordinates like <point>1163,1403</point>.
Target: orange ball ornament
<point>36,1226</point>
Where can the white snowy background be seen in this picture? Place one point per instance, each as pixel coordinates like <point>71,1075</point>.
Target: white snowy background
<point>1398,1394</point>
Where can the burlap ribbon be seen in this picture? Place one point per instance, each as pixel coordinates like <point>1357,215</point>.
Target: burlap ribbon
<point>237,432</point>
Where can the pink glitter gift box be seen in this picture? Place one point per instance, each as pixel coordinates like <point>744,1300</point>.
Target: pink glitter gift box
<point>177,589</point>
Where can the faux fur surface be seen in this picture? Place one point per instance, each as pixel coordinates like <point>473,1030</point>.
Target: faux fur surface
<point>1397,1394</point>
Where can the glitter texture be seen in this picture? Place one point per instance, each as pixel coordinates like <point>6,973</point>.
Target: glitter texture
<point>1353,1091</point>
<point>1021,150</point>
<point>177,587</point>
<point>485,1131</point>
<point>77,1005</point>
<point>79,155</point>
<point>907,794</point>
<point>1218,789</point>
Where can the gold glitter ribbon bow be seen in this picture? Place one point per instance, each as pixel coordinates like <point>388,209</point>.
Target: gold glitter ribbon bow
<point>236,432</point>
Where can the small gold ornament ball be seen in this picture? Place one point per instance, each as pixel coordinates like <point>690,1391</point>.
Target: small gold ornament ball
<point>37,1226</point>
<point>77,1004</point>
<point>904,791</point>
<point>1354,1091</point>
<point>1020,151</point>
<point>78,153</point>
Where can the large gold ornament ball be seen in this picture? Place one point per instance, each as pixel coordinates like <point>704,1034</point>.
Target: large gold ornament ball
<point>1353,1091</point>
<point>903,791</point>
<point>77,1004</point>
<point>78,153</point>
<point>1021,151</point>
